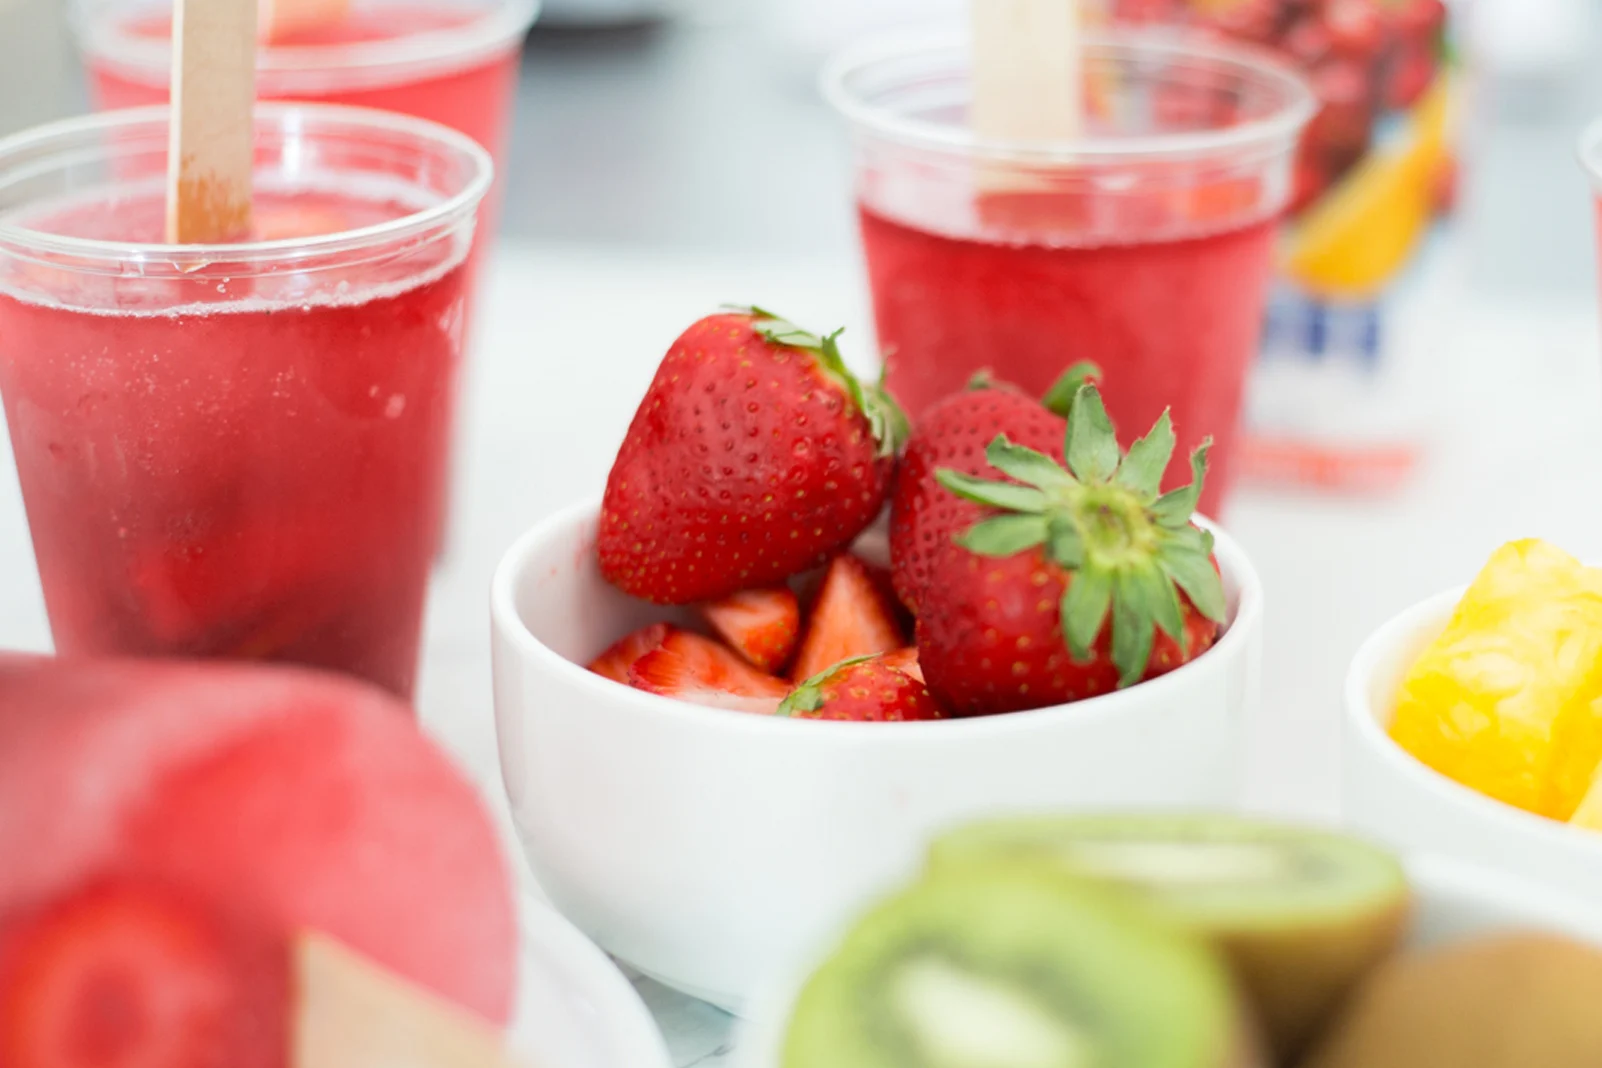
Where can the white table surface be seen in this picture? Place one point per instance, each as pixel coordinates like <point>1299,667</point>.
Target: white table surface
<point>569,337</point>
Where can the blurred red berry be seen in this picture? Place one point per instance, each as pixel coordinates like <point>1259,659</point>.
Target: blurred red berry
<point>1145,11</point>
<point>1410,76</point>
<point>1356,29</point>
<point>1308,42</point>
<point>1345,122</point>
<point>1256,21</point>
<point>1417,20</point>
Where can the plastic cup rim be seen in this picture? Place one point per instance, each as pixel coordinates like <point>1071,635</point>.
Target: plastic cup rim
<point>459,205</point>
<point>1279,128</point>
<point>498,26</point>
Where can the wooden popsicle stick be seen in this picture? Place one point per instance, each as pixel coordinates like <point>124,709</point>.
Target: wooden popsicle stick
<point>281,18</point>
<point>212,146</point>
<point>1027,87</point>
<point>352,1014</point>
<point>1027,80</point>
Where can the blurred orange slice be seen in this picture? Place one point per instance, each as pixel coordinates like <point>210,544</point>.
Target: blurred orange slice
<point>1358,237</point>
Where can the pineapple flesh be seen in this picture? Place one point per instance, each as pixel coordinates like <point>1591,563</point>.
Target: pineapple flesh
<point>1589,814</point>
<point>1508,700</point>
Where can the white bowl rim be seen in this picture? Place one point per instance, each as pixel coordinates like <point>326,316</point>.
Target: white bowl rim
<point>1470,802</point>
<point>1232,561</point>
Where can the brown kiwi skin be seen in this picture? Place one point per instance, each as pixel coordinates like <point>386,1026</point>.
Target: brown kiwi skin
<point>1510,1001</point>
<point>1297,980</point>
<point>1249,1049</point>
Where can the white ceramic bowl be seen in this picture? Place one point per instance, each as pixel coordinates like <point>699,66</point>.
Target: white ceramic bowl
<point>1392,797</point>
<point>707,847</point>
<point>1453,901</point>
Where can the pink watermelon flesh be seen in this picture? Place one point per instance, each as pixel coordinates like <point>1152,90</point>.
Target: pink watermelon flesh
<point>284,799</point>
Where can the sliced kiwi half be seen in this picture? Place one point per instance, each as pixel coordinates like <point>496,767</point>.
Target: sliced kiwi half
<point>1300,914</point>
<point>1005,968</point>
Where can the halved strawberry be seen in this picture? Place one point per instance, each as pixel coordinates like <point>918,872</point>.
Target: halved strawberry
<point>905,661</point>
<point>704,672</point>
<point>850,618</point>
<point>614,664</point>
<point>121,975</point>
<point>761,625</point>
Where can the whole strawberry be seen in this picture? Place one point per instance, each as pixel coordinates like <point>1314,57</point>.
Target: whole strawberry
<point>755,454</point>
<point>867,689</point>
<point>952,433</point>
<point>1076,580</point>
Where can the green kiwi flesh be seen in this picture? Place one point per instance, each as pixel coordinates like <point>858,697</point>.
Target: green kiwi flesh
<point>1010,969</point>
<point>1511,1001</point>
<point>1300,914</point>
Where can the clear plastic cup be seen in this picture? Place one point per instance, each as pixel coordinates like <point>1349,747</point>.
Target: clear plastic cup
<point>1145,245</point>
<point>449,61</point>
<point>237,450</point>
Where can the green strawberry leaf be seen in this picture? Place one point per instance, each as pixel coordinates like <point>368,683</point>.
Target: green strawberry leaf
<point>1004,535</point>
<point>1156,599</point>
<point>1026,465</point>
<point>1084,610</point>
<point>889,423</point>
<point>984,378</point>
<point>1132,633</point>
<point>1059,398</point>
<point>1174,508</point>
<point>1092,446</point>
<point>1191,569</point>
<point>1188,537</point>
<point>804,698</point>
<point>1008,496</point>
<point>1064,543</point>
<point>1143,467</point>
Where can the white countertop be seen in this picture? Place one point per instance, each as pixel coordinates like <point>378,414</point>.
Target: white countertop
<point>569,337</point>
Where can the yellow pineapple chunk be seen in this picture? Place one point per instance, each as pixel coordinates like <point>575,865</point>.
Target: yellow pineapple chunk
<point>1508,700</point>
<point>1589,814</point>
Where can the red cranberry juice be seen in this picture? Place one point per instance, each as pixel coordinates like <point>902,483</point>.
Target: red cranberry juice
<point>1173,323</point>
<point>257,475</point>
<point>474,99</point>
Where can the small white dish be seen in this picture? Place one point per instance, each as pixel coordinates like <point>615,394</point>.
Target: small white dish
<point>574,1008</point>
<point>1453,902</point>
<point>706,847</point>
<point>1392,797</point>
